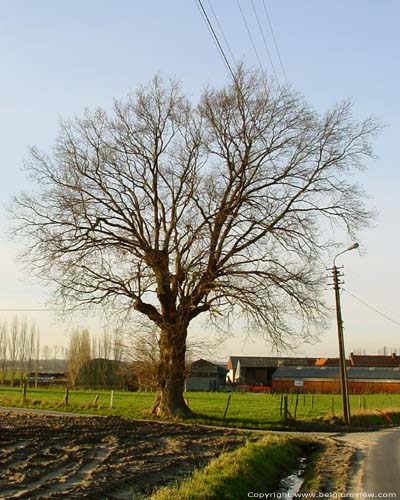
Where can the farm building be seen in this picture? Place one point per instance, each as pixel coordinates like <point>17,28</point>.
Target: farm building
<point>382,361</point>
<point>257,371</point>
<point>48,378</point>
<point>206,376</point>
<point>326,379</point>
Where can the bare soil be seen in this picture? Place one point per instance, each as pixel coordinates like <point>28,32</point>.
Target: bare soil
<point>46,456</point>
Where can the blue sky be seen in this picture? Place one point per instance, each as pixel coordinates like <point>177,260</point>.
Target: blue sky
<point>60,57</point>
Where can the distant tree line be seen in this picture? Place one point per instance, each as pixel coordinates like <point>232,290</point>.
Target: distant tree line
<point>23,358</point>
<point>19,350</point>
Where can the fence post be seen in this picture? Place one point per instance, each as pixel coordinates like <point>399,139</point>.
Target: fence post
<point>312,401</point>
<point>333,407</point>
<point>24,391</point>
<point>111,399</point>
<point>66,397</point>
<point>227,405</point>
<point>96,399</point>
<point>281,408</point>
<point>295,408</point>
<point>285,409</point>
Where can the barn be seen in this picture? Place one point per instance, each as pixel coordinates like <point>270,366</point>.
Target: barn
<point>255,372</point>
<point>326,379</point>
<point>206,376</point>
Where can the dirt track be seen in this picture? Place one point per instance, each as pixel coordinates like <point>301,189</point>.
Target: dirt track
<point>45,456</point>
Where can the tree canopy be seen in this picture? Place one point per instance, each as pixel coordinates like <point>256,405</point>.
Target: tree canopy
<point>174,209</point>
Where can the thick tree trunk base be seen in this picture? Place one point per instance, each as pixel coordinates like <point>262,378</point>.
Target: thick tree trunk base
<point>163,409</point>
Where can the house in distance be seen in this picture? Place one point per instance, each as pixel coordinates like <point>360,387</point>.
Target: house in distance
<point>206,376</point>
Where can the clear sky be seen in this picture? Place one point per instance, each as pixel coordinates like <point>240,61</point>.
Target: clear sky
<point>59,57</point>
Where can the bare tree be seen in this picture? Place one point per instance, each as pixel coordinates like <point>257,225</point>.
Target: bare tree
<point>3,349</point>
<point>117,345</point>
<point>46,356</point>
<point>79,352</point>
<point>140,348</point>
<point>106,342</point>
<point>102,346</point>
<point>172,210</point>
<point>37,357</point>
<point>22,347</point>
<point>95,348</point>
<point>13,348</point>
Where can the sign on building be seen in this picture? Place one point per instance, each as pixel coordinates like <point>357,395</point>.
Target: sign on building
<point>298,383</point>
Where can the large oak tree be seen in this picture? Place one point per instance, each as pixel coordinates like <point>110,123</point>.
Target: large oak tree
<point>174,210</point>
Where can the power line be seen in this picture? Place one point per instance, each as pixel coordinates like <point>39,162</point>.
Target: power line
<point>265,41</point>
<point>58,310</point>
<point>222,31</point>
<point>373,308</point>
<point>249,33</point>
<point>215,37</point>
<point>27,310</point>
<point>275,42</point>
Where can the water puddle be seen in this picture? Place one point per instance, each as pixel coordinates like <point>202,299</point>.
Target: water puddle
<point>290,485</point>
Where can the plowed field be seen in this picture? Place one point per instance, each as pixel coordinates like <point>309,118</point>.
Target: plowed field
<point>44,456</point>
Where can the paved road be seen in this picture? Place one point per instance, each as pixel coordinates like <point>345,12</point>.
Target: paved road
<point>381,468</point>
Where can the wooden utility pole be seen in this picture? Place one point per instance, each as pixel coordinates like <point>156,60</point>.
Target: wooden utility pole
<point>342,355</point>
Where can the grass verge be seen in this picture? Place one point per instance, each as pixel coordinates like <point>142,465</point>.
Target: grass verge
<point>329,469</point>
<point>257,467</point>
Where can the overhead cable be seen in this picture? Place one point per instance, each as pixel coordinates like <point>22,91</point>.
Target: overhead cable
<point>26,310</point>
<point>222,31</point>
<point>373,308</point>
<point>265,41</point>
<point>275,42</point>
<point>250,36</point>
<point>215,38</point>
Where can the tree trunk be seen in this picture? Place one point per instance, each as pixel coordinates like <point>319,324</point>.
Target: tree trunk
<point>172,373</point>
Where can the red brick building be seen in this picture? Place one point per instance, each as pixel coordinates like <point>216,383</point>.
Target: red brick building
<point>361,380</point>
<point>365,374</point>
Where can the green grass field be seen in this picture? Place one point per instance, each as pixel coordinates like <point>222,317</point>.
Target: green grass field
<point>245,409</point>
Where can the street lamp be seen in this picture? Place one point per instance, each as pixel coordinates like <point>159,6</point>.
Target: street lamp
<point>342,355</point>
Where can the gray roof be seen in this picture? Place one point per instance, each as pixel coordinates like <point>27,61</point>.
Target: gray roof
<point>373,373</point>
<point>204,363</point>
<point>331,372</point>
<point>268,361</point>
<point>295,372</point>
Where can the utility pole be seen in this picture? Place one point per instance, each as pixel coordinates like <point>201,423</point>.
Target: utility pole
<point>342,355</point>
<point>336,274</point>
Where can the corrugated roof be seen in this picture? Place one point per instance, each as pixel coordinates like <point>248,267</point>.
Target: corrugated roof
<point>293,372</point>
<point>268,361</point>
<point>331,372</point>
<point>373,373</point>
